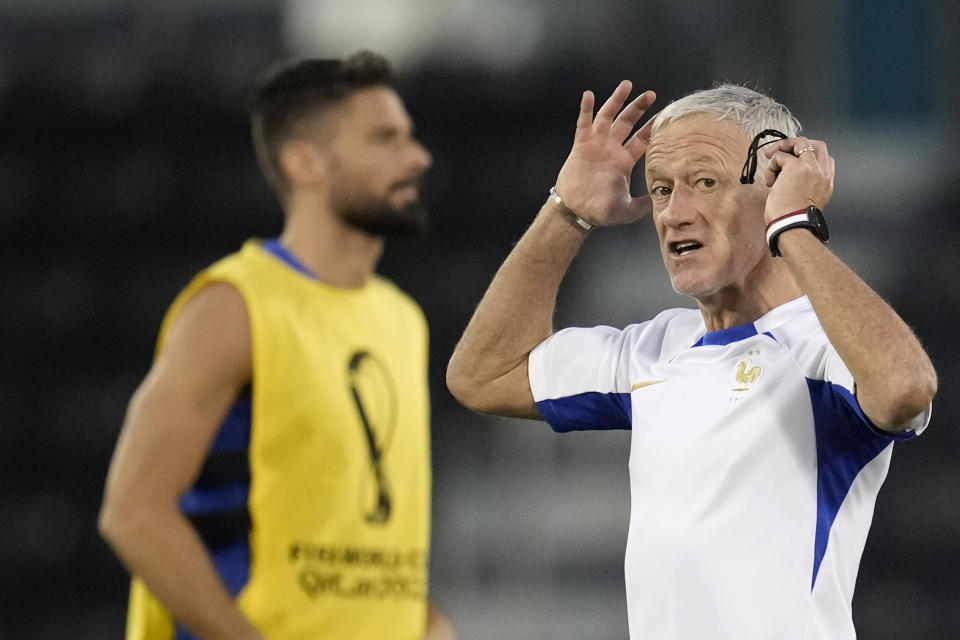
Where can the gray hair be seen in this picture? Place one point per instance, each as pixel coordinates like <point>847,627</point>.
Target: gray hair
<point>751,110</point>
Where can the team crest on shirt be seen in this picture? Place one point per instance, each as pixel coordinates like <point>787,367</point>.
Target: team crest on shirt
<point>745,375</point>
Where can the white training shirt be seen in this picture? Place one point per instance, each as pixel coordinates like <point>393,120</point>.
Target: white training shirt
<point>753,471</point>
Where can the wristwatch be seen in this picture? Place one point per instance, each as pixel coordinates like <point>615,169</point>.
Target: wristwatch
<point>810,218</point>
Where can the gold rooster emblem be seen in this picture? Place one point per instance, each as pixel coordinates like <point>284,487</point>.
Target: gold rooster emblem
<point>746,374</point>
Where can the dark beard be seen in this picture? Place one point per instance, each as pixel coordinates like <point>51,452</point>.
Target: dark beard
<point>380,219</point>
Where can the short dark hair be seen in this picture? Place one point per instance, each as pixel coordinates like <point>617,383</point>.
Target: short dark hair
<point>290,93</point>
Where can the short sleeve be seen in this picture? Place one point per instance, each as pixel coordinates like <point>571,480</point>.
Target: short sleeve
<point>579,376</point>
<point>838,376</point>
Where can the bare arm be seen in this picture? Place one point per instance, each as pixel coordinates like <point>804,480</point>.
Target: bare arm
<point>895,380</point>
<point>170,424</point>
<point>488,369</point>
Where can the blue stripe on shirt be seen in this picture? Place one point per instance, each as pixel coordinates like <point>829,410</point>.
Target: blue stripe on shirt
<point>727,336</point>
<point>231,561</point>
<point>846,443</point>
<point>224,497</point>
<point>589,411</point>
<point>274,247</point>
<point>234,432</point>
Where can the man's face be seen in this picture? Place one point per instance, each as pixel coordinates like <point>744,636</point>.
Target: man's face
<point>710,226</point>
<point>376,164</point>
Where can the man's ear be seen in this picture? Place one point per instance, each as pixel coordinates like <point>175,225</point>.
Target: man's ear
<point>304,163</point>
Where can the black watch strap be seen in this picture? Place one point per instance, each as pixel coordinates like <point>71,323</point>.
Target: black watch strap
<point>810,218</point>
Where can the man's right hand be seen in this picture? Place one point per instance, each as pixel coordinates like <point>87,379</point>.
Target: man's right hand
<point>594,182</point>
<point>488,369</point>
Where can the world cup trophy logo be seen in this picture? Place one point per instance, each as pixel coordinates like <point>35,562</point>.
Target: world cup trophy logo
<point>375,397</point>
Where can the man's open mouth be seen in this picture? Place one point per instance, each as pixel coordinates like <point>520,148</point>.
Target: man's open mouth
<point>685,247</point>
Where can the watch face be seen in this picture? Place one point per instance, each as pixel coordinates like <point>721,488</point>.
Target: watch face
<point>819,223</point>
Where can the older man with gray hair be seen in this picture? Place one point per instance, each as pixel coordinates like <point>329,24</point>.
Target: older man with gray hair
<point>762,422</point>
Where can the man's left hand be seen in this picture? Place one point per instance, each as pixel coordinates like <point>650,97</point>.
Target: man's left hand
<point>800,174</point>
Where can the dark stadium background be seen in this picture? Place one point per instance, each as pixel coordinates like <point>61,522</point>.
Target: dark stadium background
<point>125,167</point>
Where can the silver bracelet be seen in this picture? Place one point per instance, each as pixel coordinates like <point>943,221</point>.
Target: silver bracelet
<point>586,226</point>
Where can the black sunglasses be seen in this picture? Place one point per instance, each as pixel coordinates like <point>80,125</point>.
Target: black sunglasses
<point>750,166</point>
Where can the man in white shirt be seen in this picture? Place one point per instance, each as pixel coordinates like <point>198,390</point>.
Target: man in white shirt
<point>761,424</point>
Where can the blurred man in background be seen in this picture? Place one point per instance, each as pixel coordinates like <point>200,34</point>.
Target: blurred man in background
<point>272,477</point>
<point>762,422</point>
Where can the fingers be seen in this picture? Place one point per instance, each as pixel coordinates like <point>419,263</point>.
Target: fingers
<point>637,144</point>
<point>800,149</point>
<point>603,138</point>
<point>776,163</point>
<point>585,119</point>
<point>787,145</point>
<point>800,173</point>
<point>819,154</point>
<point>631,114</point>
<point>779,161</point>
<point>619,125</point>
<point>611,107</point>
<point>780,145</point>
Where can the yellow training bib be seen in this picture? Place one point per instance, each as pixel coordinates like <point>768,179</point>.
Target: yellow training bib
<point>315,498</point>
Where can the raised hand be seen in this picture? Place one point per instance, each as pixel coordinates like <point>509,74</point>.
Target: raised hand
<point>800,174</point>
<point>594,181</point>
